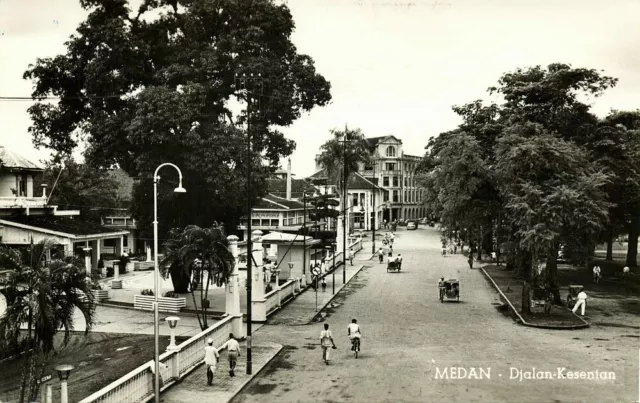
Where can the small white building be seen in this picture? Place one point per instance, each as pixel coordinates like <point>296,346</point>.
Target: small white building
<point>26,217</point>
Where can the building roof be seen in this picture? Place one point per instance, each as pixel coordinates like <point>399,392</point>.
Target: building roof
<point>10,159</point>
<point>356,181</point>
<point>275,236</point>
<point>270,201</point>
<point>278,187</point>
<point>61,224</point>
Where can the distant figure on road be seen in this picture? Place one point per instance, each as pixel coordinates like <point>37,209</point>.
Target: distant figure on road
<point>233,352</point>
<point>470,260</point>
<point>399,260</point>
<point>211,357</point>
<point>582,302</point>
<point>597,273</point>
<point>324,284</point>
<point>380,254</point>
<point>326,342</point>
<point>351,256</point>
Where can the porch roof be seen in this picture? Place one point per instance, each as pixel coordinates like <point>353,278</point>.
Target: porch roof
<point>61,226</point>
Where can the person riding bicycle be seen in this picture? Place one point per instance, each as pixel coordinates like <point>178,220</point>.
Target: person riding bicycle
<point>353,331</point>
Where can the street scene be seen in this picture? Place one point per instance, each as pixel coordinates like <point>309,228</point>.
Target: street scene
<point>319,201</point>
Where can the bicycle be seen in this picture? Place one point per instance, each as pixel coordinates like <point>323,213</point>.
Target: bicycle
<point>355,346</point>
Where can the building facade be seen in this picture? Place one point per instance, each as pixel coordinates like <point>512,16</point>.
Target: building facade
<point>394,171</point>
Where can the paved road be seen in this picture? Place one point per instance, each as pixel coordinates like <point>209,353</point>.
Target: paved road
<point>409,336</point>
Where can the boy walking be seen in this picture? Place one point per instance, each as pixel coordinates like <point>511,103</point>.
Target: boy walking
<point>326,341</point>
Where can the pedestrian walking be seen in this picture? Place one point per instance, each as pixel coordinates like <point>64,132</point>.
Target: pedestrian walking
<point>233,352</point>
<point>211,358</point>
<point>399,260</point>
<point>470,260</point>
<point>582,302</point>
<point>351,256</point>
<point>380,254</point>
<point>324,285</point>
<point>327,343</point>
<point>597,273</point>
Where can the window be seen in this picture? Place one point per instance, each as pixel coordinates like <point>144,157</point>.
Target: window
<point>355,200</point>
<point>385,181</point>
<point>395,196</point>
<point>368,167</point>
<point>125,241</point>
<point>405,182</point>
<point>395,181</point>
<point>391,151</point>
<point>275,223</point>
<point>386,196</point>
<point>405,196</point>
<point>389,166</point>
<point>255,222</point>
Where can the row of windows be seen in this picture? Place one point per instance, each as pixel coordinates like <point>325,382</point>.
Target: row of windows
<point>408,181</point>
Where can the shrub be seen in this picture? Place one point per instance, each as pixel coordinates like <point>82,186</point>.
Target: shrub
<point>147,291</point>
<point>171,294</point>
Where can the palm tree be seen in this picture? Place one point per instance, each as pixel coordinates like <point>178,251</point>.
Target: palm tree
<point>44,297</point>
<point>193,253</point>
<point>341,156</point>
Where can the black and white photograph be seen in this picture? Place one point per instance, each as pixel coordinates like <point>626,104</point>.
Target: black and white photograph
<point>300,201</point>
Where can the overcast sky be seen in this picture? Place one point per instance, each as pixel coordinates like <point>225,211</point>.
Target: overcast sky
<point>396,67</point>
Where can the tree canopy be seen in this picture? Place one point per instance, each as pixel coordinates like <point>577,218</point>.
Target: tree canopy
<point>141,87</point>
<point>539,171</point>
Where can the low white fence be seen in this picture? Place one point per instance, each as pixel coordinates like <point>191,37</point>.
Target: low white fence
<point>137,385</point>
<point>276,298</point>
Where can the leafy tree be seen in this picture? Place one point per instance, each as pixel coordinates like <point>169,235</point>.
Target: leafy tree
<point>197,257</point>
<point>83,187</point>
<point>552,193</point>
<point>158,84</point>
<point>44,298</point>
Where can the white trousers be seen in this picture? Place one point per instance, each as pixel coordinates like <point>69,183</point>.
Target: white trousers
<point>327,353</point>
<point>580,303</point>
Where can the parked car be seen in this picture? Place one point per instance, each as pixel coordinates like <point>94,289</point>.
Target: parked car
<point>411,225</point>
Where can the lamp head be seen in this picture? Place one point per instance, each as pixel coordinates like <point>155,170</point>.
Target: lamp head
<point>64,371</point>
<point>173,321</point>
<point>180,189</point>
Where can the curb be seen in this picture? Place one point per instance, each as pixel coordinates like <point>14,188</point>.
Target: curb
<point>521,319</point>
<point>255,373</point>
<point>334,295</point>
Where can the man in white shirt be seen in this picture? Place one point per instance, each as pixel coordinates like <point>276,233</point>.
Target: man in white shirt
<point>211,357</point>
<point>399,260</point>
<point>596,274</point>
<point>582,302</point>
<point>625,271</point>
<point>353,331</point>
<point>326,342</point>
<point>233,352</point>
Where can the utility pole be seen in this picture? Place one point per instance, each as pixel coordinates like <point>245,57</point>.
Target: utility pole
<point>304,234</point>
<point>250,94</point>
<point>375,215</point>
<point>344,214</point>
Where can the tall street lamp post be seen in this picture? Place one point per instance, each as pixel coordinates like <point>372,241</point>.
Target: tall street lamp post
<point>333,248</point>
<point>156,273</point>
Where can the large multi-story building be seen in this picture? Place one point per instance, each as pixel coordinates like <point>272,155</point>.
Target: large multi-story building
<point>394,171</point>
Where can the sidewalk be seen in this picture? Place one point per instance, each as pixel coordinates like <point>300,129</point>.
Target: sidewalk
<point>510,287</point>
<point>299,311</point>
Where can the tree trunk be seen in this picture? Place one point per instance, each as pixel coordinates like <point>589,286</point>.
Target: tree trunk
<point>526,301</point>
<point>552,275</point>
<point>180,281</point>
<point>479,256</point>
<point>609,244</point>
<point>634,232</point>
